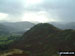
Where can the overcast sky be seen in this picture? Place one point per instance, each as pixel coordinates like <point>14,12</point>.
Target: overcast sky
<point>38,10</point>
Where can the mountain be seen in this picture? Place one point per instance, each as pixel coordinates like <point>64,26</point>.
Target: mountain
<point>18,26</point>
<point>45,40</point>
<point>4,29</point>
<point>37,40</point>
<point>70,25</point>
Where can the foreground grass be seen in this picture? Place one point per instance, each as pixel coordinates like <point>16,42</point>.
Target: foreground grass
<point>11,52</point>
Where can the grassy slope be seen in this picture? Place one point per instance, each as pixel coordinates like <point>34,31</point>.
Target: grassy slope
<point>46,40</point>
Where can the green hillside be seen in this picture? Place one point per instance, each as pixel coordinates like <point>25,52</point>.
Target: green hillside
<point>45,40</point>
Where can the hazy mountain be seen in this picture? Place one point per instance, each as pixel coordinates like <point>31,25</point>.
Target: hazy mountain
<point>63,25</point>
<point>70,25</point>
<point>18,26</point>
<point>4,29</point>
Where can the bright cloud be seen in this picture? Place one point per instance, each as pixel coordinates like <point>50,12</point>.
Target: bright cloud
<point>36,16</point>
<point>3,16</point>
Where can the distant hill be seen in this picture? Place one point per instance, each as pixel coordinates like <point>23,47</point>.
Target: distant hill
<point>70,25</point>
<point>4,29</point>
<point>18,27</point>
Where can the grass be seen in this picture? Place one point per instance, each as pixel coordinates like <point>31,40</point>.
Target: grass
<point>11,52</point>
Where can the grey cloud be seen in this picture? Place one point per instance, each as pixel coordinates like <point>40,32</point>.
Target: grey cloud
<point>14,8</point>
<point>11,6</point>
<point>61,10</point>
